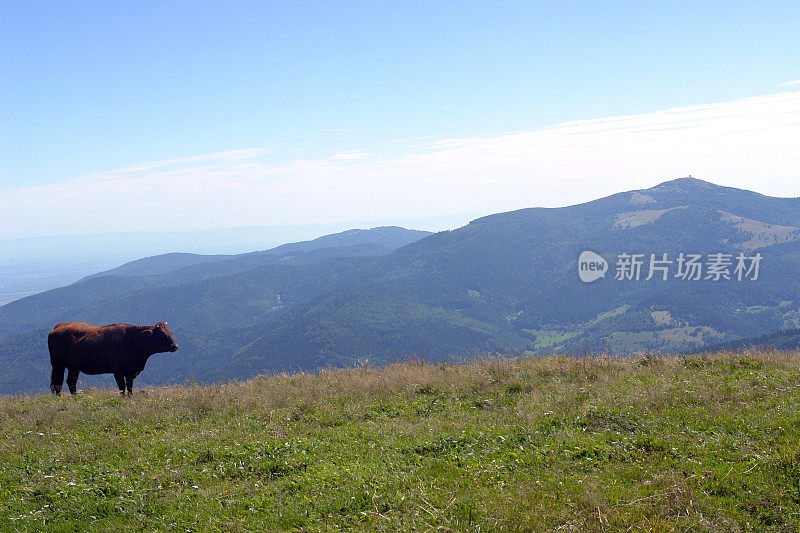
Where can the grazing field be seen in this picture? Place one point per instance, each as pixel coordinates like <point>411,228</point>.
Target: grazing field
<point>709,442</point>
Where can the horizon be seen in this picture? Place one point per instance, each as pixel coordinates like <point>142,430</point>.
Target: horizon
<point>431,224</point>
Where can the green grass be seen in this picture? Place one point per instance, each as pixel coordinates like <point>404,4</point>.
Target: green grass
<point>706,443</point>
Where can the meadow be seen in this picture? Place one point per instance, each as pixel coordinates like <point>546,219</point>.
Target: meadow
<point>709,442</point>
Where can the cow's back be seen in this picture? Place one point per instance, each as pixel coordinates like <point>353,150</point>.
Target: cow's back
<point>71,332</point>
<point>88,348</point>
<point>65,336</point>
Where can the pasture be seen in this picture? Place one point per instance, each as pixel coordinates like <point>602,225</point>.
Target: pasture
<point>705,443</point>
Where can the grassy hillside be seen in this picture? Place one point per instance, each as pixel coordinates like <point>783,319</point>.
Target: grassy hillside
<point>708,442</point>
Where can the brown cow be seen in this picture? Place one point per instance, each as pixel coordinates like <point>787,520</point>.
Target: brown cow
<point>119,349</point>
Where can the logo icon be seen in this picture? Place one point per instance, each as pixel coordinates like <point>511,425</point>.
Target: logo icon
<point>591,266</point>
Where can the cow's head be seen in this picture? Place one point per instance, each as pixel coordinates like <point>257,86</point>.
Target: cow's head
<point>162,338</point>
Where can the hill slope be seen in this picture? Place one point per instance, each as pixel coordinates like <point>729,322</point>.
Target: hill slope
<point>702,443</point>
<point>509,281</point>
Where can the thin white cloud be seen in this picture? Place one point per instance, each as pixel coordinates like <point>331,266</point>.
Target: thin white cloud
<point>216,157</point>
<point>748,143</point>
<point>789,83</point>
<point>350,155</point>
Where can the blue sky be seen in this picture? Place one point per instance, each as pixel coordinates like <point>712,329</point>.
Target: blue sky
<point>89,89</point>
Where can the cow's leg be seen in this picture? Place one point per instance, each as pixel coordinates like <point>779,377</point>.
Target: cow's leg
<point>72,380</point>
<point>129,384</point>
<point>56,379</point>
<point>120,383</point>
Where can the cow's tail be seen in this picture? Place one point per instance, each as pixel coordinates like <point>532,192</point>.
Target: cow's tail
<point>52,344</point>
<point>57,360</point>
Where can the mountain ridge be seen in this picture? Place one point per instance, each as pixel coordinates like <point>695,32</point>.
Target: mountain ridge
<point>504,282</point>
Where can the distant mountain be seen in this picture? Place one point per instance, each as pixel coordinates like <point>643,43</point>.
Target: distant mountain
<point>503,282</point>
<point>163,271</point>
<point>387,237</point>
<point>33,265</point>
<point>160,264</point>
